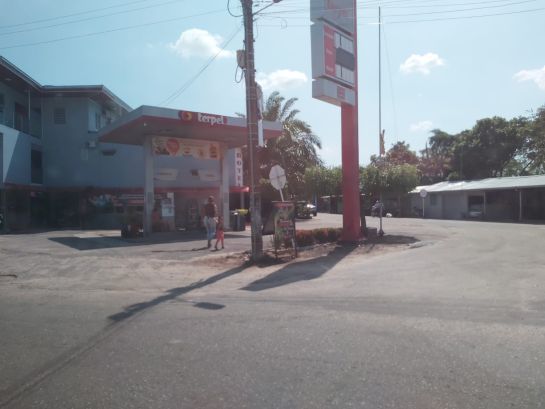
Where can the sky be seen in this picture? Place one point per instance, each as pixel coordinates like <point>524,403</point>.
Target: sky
<point>445,64</point>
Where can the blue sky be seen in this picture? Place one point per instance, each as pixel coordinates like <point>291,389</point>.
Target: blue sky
<point>436,74</point>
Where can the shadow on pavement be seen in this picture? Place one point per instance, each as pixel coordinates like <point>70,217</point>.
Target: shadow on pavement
<point>302,270</point>
<point>173,293</point>
<point>107,242</point>
<point>393,239</point>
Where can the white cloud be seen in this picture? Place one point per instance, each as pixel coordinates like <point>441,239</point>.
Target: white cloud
<point>200,43</point>
<point>537,75</point>
<point>281,79</point>
<point>421,126</point>
<point>421,63</point>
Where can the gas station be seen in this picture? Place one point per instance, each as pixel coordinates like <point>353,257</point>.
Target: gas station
<point>185,152</point>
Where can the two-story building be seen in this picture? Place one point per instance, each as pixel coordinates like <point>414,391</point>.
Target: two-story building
<point>71,156</point>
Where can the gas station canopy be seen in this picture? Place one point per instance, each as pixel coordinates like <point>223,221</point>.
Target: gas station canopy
<point>145,121</point>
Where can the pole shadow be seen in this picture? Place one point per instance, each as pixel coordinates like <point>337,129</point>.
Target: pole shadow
<point>172,294</point>
<point>302,270</point>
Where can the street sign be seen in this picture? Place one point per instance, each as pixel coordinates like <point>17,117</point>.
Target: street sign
<point>423,194</point>
<point>277,176</point>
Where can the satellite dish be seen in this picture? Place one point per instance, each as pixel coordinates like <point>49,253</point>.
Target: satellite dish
<point>423,193</point>
<point>277,176</point>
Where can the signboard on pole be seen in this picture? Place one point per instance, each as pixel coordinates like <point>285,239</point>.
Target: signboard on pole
<point>334,71</point>
<point>332,54</point>
<point>340,13</point>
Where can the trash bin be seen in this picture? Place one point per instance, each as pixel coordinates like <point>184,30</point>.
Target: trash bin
<point>237,221</point>
<point>241,222</point>
<point>233,220</point>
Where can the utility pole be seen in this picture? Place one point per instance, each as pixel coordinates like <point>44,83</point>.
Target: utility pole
<point>251,123</point>
<point>381,132</point>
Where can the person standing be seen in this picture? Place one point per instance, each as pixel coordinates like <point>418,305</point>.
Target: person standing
<point>220,235</point>
<point>210,214</point>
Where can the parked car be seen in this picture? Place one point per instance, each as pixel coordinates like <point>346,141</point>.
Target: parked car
<point>476,212</point>
<point>305,210</point>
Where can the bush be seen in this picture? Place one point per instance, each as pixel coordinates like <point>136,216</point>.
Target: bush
<point>304,238</point>
<point>321,235</point>
<point>333,234</point>
<point>309,237</point>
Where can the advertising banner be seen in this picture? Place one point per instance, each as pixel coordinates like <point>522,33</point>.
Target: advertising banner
<point>182,147</point>
<point>284,221</point>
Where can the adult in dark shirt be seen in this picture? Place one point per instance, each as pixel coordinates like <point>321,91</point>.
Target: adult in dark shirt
<point>210,214</point>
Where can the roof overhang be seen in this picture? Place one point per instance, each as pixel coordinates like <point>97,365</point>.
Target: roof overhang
<point>16,78</point>
<point>96,92</point>
<point>145,121</point>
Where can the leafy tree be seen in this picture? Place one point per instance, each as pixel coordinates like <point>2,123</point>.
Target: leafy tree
<point>391,179</point>
<point>486,150</point>
<point>435,161</point>
<point>323,181</point>
<point>295,150</point>
<point>400,153</point>
<point>530,158</point>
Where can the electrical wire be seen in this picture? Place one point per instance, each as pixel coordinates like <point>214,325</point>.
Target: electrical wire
<point>434,19</point>
<point>191,80</point>
<point>392,92</point>
<point>113,30</point>
<point>72,14</point>
<point>91,18</point>
<point>229,10</point>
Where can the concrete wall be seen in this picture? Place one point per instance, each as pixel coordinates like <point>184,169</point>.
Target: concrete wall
<point>69,161</point>
<point>16,147</point>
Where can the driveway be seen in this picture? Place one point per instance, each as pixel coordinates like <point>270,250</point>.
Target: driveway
<point>456,319</point>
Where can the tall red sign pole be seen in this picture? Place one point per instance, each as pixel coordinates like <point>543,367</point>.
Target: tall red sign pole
<point>350,156</point>
<point>335,75</point>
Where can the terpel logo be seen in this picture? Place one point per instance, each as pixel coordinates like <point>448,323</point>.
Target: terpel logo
<point>185,116</point>
<point>211,119</point>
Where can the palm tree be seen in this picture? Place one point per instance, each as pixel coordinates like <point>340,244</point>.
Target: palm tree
<point>296,149</point>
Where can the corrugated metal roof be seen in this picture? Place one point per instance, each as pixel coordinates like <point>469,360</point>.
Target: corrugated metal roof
<point>486,184</point>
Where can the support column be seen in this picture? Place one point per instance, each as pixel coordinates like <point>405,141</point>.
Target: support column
<point>520,205</point>
<point>224,189</point>
<point>484,205</point>
<point>149,186</point>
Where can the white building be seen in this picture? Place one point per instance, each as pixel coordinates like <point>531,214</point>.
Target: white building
<point>510,198</point>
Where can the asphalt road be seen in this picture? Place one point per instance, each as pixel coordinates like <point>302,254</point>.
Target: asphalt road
<point>454,320</point>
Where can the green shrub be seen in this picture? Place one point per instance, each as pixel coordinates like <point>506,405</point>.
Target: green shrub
<point>304,238</point>
<point>333,234</point>
<point>321,235</point>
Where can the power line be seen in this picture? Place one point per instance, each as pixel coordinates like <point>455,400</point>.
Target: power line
<point>72,14</point>
<point>191,80</point>
<point>507,4</point>
<point>91,18</point>
<point>466,17</point>
<point>430,20</point>
<point>390,81</point>
<point>113,30</point>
